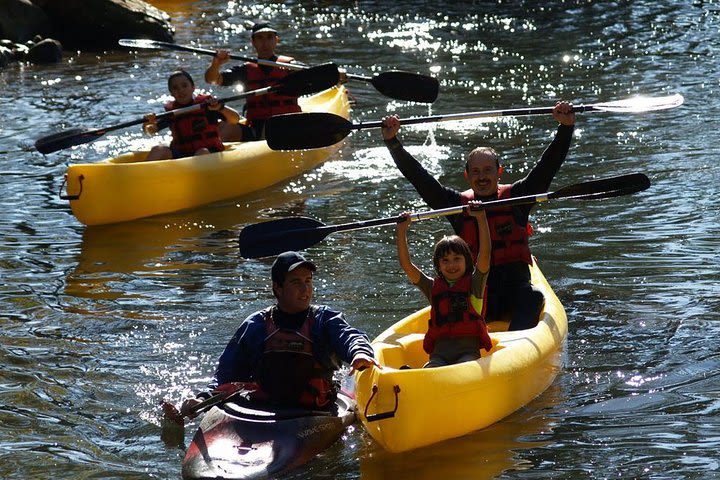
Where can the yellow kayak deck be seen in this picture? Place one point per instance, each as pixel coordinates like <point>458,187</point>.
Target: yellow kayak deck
<point>126,187</point>
<point>410,408</point>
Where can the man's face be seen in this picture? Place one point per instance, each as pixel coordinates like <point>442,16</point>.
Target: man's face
<point>295,293</point>
<point>265,43</point>
<point>483,174</point>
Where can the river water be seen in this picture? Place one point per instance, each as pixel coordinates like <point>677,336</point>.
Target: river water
<point>100,324</point>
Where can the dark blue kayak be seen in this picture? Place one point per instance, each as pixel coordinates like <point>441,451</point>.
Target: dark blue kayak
<point>240,440</point>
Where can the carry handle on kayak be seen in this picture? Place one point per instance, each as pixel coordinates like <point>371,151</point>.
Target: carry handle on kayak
<point>383,415</point>
<point>69,196</point>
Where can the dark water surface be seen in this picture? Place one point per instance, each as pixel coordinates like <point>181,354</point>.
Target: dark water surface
<point>99,324</point>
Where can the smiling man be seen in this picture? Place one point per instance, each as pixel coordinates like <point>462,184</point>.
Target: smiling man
<point>286,354</point>
<point>509,291</point>
<point>253,76</point>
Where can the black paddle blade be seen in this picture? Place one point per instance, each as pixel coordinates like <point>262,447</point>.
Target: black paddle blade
<point>274,237</point>
<point>311,80</point>
<point>605,187</point>
<point>68,138</point>
<point>297,131</point>
<point>407,86</point>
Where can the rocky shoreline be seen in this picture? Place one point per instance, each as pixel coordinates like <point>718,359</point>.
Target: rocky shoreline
<point>38,31</point>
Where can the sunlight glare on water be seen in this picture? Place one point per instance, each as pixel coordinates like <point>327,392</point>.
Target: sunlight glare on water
<point>100,324</point>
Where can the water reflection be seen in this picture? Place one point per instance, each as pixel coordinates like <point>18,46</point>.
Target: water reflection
<point>168,245</point>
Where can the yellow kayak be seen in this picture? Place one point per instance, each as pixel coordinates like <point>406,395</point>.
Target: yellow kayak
<point>126,187</point>
<point>411,408</point>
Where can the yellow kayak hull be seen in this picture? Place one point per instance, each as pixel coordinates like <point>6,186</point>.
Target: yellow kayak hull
<point>126,187</point>
<point>411,408</point>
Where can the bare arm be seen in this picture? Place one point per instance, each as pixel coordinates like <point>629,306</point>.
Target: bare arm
<point>231,115</point>
<point>410,269</point>
<point>482,263</point>
<point>212,74</point>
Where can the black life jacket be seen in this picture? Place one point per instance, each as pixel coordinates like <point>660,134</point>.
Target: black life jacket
<point>288,370</point>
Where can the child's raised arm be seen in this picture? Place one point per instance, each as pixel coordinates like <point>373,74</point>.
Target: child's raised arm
<point>410,269</point>
<point>482,263</point>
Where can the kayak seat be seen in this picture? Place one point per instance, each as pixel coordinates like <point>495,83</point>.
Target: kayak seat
<point>132,157</point>
<point>404,350</point>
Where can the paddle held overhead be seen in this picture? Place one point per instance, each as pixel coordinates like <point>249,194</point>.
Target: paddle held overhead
<point>276,236</point>
<point>303,82</point>
<point>412,87</point>
<point>294,131</point>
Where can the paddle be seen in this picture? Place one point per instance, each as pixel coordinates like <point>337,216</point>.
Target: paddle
<point>173,421</point>
<point>395,84</point>
<point>276,236</point>
<point>294,131</point>
<point>303,82</point>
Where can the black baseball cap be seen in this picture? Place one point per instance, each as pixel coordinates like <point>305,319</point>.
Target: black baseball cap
<point>287,262</point>
<point>262,26</point>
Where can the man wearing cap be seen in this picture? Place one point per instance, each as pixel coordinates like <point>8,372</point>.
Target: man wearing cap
<point>259,108</point>
<point>286,354</point>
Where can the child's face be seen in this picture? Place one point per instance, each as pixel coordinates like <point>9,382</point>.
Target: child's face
<point>181,89</point>
<point>452,266</point>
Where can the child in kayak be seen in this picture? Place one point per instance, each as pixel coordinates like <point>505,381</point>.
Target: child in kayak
<point>457,329</point>
<point>194,133</point>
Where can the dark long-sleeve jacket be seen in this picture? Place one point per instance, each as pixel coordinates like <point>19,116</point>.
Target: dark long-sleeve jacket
<point>334,341</point>
<point>438,196</point>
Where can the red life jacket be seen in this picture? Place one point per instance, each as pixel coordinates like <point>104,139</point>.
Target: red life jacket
<point>288,371</point>
<point>509,238</point>
<point>262,107</point>
<point>453,315</point>
<point>193,131</point>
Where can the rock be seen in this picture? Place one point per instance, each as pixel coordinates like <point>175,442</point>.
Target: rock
<point>79,24</point>
<point>6,56</point>
<point>20,20</point>
<point>99,24</point>
<point>20,51</point>
<point>45,51</point>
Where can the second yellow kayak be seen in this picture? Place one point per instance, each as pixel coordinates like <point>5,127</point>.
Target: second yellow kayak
<point>126,187</point>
